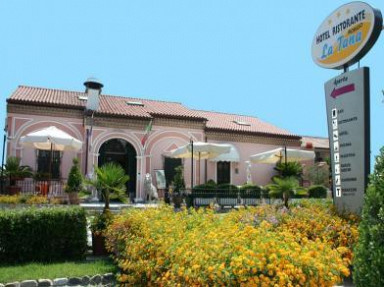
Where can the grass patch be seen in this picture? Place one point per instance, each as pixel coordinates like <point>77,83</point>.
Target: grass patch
<point>35,271</point>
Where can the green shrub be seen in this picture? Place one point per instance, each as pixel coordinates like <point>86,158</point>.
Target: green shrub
<point>250,191</point>
<point>227,187</point>
<point>211,182</point>
<point>369,251</point>
<point>227,190</point>
<point>75,178</point>
<point>100,221</point>
<point>317,191</point>
<point>42,235</point>
<point>178,179</point>
<point>205,187</point>
<point>265,192</point>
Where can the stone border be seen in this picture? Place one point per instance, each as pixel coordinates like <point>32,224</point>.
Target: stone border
<point>107,279</point>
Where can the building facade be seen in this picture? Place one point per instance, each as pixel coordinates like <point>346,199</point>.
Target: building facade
<point>113,128</point>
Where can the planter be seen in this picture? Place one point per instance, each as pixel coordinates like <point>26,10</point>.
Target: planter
<point>42,188</point>
<point>98,245</point>
<point>73,198</point>
<point>177,200</point>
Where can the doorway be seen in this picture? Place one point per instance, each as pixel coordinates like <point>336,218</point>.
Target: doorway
<point>223,172</point>
<point>122,152</point>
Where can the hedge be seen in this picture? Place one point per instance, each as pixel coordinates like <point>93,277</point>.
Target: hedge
<point>42,234</point>
<point>369,251</point>
<point>317,191</point>
<point>250,191</point>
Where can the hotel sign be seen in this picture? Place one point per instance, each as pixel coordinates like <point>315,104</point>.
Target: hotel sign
<point>347,101</point>
<point>346,35</point>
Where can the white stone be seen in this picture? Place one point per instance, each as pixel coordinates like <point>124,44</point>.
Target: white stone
<point>60,281</point>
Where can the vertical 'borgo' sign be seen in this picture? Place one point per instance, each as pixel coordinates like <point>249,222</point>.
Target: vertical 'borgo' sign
<point>346,35</point>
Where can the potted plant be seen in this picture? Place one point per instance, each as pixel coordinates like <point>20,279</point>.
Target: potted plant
<point>178,186</point>
<point>110,179</point>
<point>74,183</point>
<point>99,223</point>
<point>14,171</point>
<point>41,182</point>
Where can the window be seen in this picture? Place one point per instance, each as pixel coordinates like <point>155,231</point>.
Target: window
<point>135,103</point>
<point>47,165</point>
<point>242,123</point>
<point>223,172</point>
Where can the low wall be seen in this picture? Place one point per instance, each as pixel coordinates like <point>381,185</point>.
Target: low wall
<point>107,279</point>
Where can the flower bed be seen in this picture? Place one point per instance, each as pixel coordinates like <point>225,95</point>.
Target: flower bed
<point>27,199</point>
<point>262,246</point>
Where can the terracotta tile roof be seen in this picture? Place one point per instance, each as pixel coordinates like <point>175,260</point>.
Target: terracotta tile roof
<point>244,124</point>
<point>46,96</point>
<point>317,142</point>
<point>144,108</point>
<point>109,105</point>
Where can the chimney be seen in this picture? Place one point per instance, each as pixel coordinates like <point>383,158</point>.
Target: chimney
<point>92,92</point>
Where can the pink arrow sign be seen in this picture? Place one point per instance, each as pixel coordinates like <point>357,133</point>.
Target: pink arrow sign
<point>342,90</point>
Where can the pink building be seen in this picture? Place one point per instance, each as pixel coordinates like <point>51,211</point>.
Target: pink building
<point>112,128</point>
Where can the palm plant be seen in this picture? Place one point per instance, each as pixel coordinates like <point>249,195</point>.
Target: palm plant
<point>289,169</point>
<point>285,187</point>
<point>14,171</point>
<point>110,179</point>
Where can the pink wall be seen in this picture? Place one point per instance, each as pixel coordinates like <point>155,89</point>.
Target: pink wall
<point>160,142</point>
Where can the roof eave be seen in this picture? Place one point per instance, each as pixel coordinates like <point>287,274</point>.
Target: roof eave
<point>36,103</point>
<point>254,133</point>
<point>179,117</point>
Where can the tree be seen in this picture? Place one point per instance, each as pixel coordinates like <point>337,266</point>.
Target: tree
<point>178,179</point>
<point>318,174</point>
<point>285,187</point>
<point>110,179</point>
<point>75,178</point>
<point>369,251</point>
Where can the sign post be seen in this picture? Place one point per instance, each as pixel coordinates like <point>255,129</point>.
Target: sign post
<point>347,102</point>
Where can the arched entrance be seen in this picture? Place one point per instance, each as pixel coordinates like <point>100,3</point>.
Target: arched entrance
<point>123,153</point>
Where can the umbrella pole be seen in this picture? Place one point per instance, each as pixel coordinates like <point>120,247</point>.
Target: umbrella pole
<point>50,168</point>
<point>192,165</point>
<point>50,163</point>
<point>199,167</point>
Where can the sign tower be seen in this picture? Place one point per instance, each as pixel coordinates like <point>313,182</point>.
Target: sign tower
<point>344,37</point>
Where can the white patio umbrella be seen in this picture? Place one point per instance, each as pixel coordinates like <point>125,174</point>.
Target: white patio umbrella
<point>51,138</point>
<point>231,156</point>
<point>201,150</point>
<point>283,154</point>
